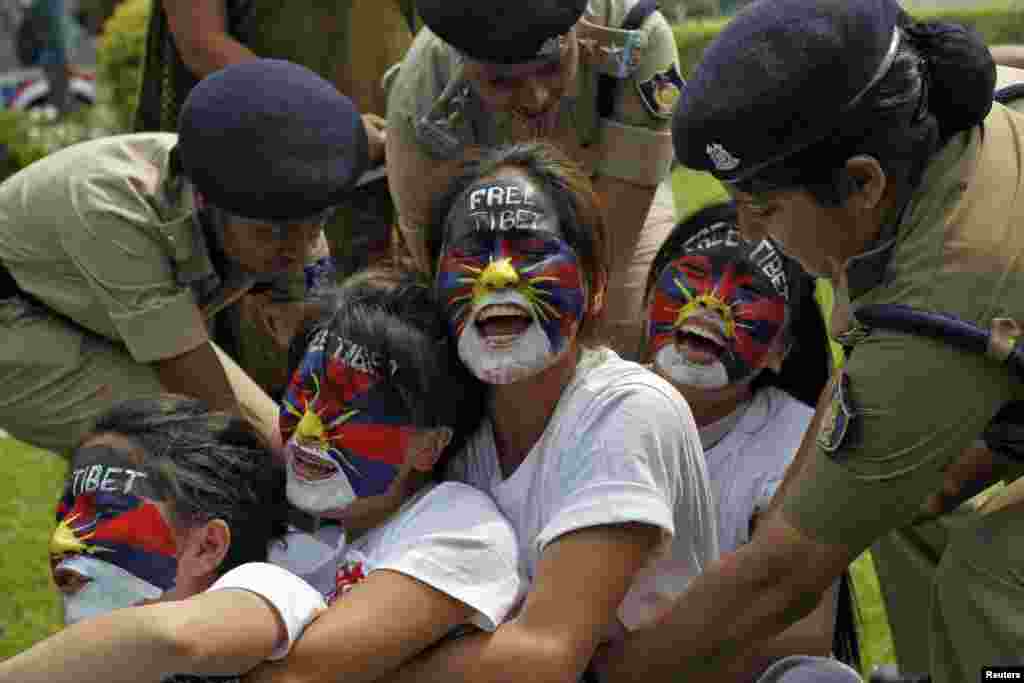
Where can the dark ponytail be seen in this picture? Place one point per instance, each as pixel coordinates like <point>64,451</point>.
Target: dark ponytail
<point>961,74</point>
<point>808,365</point>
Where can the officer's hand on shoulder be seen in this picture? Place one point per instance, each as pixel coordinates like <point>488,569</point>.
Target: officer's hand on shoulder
<point>376,134</point>
<point>977,468</point>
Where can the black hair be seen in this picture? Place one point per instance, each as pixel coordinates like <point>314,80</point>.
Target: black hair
<point>394,314</point>
<point>940,83</point>
<point>580,214</point>
<point>215,466</point>
<point>845,636</point>
<point>807,366</point>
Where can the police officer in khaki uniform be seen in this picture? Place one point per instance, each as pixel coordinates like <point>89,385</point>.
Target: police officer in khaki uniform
<point>352,45</point>
<point>116,254</point>
<point>883,164</point>
<point>906,559</point>
<point>597,78</point>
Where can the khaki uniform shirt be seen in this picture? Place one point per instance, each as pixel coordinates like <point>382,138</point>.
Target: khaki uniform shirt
<point>97,234</point>
<point>909,404</point>
<point>434,115</point>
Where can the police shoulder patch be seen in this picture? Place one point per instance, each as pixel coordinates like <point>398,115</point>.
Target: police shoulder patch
<point>661,91</point>
<point>839,416</point>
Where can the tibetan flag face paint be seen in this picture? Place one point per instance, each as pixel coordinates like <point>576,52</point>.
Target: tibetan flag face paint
<point>512,285</point>
<point>718,309</point>
<point>111,534</point>
<point>345,424</point>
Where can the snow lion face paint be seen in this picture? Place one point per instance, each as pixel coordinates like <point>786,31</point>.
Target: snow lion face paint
<point>511,284</point>
<point>345,425</point>
<point>718,310</point>
<point>110,535</point>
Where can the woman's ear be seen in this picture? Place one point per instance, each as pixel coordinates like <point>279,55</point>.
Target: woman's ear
<point>777,356</point>
<point>869,180</point>
<point>203,552</point>
<point>428,447</point>
<point>595,303</point>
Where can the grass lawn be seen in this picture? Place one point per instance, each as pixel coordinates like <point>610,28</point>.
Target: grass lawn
<point>28,606</point>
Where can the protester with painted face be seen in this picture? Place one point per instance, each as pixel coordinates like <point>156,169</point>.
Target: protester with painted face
<point>117,254</point>
<point>377,404</point>
<point>412,560</point>
<point>717,310</point>
<point>868,146</point>
<point>594,460</point>
<point>734,326</point>
<point>596,77</point>
<point>165,500</point>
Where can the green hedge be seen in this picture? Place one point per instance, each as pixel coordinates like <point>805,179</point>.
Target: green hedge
<point>119,54</point>
<point>998,22</point>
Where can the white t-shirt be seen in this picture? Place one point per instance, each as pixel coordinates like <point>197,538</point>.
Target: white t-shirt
<point>748,464</point>
<point>295,600</point>
<point>620,447</point>
<point>449,536</point>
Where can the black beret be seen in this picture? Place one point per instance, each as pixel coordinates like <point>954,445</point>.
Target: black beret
<point>500,32</point>
<point>271,140</point>
<point>779,78</point>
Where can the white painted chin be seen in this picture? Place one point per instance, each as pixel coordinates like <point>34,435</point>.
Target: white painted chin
<point>507,358</point>
<point>681,370</point>
<point>320,495</point>
<point>110,587</point>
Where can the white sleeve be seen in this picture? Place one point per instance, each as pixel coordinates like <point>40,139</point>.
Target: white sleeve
<point>296,601</point>
<point>455,540</point>
<point>767,492</point>
<point>621,463</point>
<point>790,422</point>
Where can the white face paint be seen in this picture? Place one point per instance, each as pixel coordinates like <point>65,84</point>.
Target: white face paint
<point>675,365</point>
<point>319,495</point>
<point>504,359</point>
<point>109,588</point>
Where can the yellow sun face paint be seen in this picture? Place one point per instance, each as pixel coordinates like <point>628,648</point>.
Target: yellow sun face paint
<point>65,541</point>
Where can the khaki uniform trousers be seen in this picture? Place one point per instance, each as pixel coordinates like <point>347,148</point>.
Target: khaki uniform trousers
<point>965,570</point>
<point>56,378</point>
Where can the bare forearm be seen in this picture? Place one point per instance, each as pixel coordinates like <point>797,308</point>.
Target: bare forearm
<point>710,625</point>
<point>200,34</point>
<point>351,643</point>
<point>1008,55</point>
<point>214,53</point>
<point>95,650</point>
<point>198,373</point>
<point>508,656</point>
<point>212,634</point>
<point>806,637</point>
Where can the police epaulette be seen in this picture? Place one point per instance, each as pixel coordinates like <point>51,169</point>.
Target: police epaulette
<point>442,143</point>
<point>1002,343</point>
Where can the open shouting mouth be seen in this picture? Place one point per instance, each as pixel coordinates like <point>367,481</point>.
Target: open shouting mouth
<point>701,341</point>
<point>500,325</point>
<point>311,466</point>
